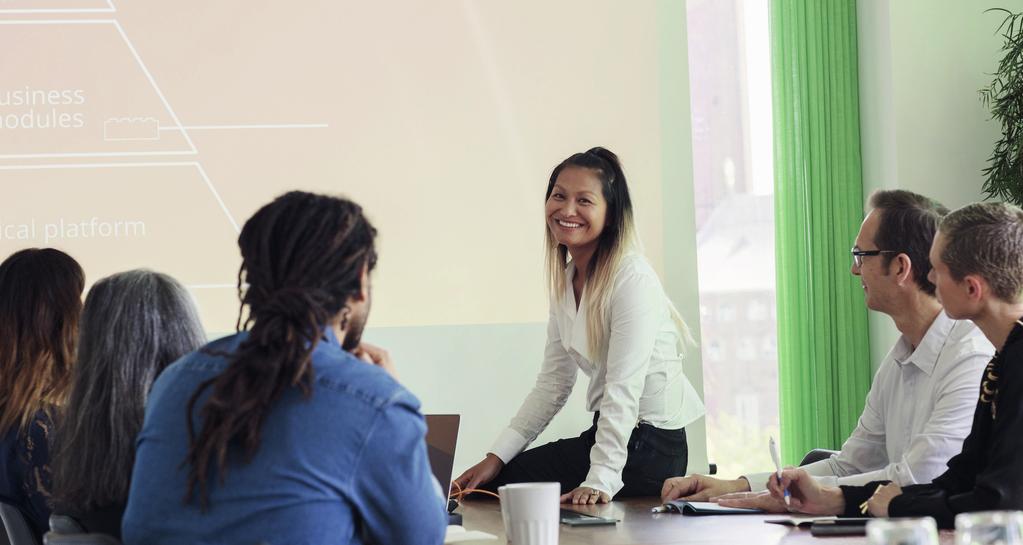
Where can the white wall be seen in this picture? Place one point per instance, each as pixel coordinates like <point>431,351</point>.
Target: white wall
<point>923,127</point>
<point>680,271</point>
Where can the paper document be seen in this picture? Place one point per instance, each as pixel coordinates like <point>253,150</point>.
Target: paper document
<point>702,508</point>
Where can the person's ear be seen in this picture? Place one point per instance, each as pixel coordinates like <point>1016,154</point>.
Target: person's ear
<point>363,293</point>
<point>364,283</point>
<point>976,287</point>
<point>903,267</point>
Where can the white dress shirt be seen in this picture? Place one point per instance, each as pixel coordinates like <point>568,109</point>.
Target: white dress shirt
<point>639,380</point>
<point>919,410</point>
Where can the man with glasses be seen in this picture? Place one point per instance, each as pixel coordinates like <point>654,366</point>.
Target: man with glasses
<point>920,404</point>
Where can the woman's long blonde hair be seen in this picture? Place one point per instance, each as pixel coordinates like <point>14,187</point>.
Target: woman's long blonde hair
<point>616,241</point>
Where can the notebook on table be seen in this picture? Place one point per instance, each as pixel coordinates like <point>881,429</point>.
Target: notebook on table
<point>826,526</point>
<point>799,522</point>
<point>701,508</point>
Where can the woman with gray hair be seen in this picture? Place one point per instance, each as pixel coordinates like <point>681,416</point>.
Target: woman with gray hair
<point>134,324</point>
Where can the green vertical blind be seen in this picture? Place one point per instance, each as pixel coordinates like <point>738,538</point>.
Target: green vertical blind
<point>823,348</point>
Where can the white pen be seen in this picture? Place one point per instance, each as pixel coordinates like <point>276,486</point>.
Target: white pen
<point>777,464</point>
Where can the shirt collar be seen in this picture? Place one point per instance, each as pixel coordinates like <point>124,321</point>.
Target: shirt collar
<point>925,357</point>
<point>568,297</point>
<point>1014,334</point>
<point>330,337</point>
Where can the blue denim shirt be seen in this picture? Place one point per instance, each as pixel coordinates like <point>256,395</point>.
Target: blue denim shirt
<point>346,465</point>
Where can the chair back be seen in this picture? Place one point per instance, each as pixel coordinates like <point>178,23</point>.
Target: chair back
<point>66,530</point>
<point>64,524</point>
<point>16,527</point>
<point>817,455</point>
<point>52,538</point>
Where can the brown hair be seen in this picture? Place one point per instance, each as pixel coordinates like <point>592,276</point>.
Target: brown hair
<point>986,239</point>
<point>617,239</point>
<point>302,259</point>
<point>907,225</point>
<point>40,303</point>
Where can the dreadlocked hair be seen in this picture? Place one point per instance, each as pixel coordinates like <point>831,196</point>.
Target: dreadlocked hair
<point>302,260</point>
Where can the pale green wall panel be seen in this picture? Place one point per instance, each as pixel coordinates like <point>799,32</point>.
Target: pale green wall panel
<point>923,127</point>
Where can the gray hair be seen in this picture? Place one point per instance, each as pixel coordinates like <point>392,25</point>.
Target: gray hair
<point>134,324</point>
<point>986,239</point>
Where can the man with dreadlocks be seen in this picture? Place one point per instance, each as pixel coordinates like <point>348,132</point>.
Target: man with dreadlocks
<point>293,430</point>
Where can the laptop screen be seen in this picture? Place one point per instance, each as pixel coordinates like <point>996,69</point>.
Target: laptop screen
<point>441,437</point>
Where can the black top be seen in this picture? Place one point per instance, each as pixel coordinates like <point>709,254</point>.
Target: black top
<point>988,473</point>
<point>25,471</point>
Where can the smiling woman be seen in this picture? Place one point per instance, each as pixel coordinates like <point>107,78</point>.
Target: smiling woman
<point>576,209</point>
<point>610,318</point>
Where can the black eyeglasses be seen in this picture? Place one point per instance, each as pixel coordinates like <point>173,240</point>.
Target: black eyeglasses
<point>858,255</point>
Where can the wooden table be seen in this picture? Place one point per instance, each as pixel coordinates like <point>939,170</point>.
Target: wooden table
<point>639,526</point>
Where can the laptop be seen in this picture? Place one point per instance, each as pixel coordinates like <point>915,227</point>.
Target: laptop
<point>441,438</point>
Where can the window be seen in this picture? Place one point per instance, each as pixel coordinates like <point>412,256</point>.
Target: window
<point>730,89</point>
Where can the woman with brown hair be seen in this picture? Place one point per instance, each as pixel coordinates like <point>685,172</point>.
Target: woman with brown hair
<point>40,303</point>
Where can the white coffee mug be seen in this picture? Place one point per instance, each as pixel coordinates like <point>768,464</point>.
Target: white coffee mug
<point>504,512</point>
<point>530,512</point>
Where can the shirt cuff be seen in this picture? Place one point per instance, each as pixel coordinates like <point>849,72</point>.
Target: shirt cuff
<point>603,479</point>
<point>508,445</point>
<point>758,481</point>
<point>829,480</point>
<point>855,496</point>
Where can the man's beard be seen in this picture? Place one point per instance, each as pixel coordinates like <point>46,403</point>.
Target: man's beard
<point>353,334</point>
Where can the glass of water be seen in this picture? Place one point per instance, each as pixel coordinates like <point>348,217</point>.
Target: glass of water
<point>990,528</point>
<point>921,531</point>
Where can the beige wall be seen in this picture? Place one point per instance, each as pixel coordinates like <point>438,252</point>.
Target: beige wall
<point>443,118</point>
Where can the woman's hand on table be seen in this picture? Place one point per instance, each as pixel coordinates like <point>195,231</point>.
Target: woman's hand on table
<point>585,495</point>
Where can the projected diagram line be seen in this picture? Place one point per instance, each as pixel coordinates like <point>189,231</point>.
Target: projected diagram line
<point>194,164</point>
<point>249,126</point>
<point>152,81</point>
<point>141,66</point>
<point>109,9</point>
<point>190,164</point>
<point>178,126</point>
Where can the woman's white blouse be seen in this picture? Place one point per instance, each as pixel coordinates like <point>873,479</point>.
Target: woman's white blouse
<point>639,380</point>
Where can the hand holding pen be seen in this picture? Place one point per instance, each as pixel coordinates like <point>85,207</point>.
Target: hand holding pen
<point>807,495</point>
<point>777,464</point>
